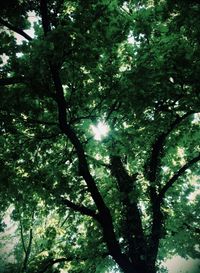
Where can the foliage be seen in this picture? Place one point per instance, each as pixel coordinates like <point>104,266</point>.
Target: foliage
<point>129,200</point>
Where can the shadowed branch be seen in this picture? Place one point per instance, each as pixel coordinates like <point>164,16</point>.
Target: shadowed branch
<point>177,175</point>
<point>12,80</point>
<point>15,29</point>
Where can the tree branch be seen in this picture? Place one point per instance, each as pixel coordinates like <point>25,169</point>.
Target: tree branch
<point>13,80</point>
<point>114,107</point>
<point>133,230</point>
<point>41,122</point>
<point>104,214</point>
<point>80,208</point>
<point>158,146</point>
<point>188,228</point>
<point>27,254</point>
<point>105,217</point>
<point>45,18</point>
<point>28,249</point>
<point>156,200</point>
<point>76,207</point>
<point>15,29</point>
<point>52,262</point>
<point>22,236</point>
<point>77,119</point>
<point>64,126</point>
<point>99,162</point>
<point>191,228</point>
<point>178,174</point>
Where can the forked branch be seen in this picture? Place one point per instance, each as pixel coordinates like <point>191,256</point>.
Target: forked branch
<point>104,214</point>
<point>177,175</point>
<point>158,148</point>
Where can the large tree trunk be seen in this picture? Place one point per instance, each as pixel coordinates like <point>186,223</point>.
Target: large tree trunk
<point>137,268</point>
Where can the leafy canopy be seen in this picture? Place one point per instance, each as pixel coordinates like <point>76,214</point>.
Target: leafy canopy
<point>125,200</point>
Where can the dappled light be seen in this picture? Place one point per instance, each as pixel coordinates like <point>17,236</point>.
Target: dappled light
<point>99,136</point>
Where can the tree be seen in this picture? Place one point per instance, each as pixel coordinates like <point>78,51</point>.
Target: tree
<point>133,66</point>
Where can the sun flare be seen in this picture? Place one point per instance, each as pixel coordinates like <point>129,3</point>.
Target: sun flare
<point>99,131</point>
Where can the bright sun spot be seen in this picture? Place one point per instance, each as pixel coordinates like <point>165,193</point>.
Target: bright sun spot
<point>99,131</point>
